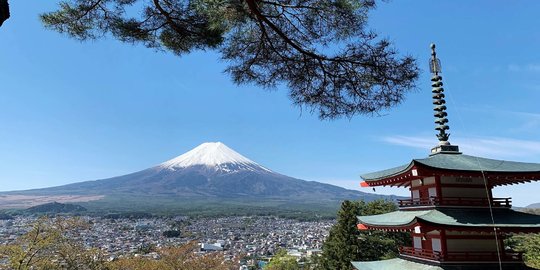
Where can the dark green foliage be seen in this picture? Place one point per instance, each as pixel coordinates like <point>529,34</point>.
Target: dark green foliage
<point>342,245</point>
<point>129,214</point>
<point>321,49</point>
<point>346,243</point>
<point>377,245</point>
<point>55,208</point>
<point>529,244</point>
<point>146,248</point>
<point>123,206</point>
<point>282,261</point>
<point>171,233</point>
<point>4,11</point>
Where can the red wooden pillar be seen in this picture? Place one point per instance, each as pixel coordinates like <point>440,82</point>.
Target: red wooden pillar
<point>438,187</point>
<point>444,249</point>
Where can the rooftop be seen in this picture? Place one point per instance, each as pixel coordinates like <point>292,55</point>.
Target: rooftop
<point>397,264</point>
<point>505,219</point>
<point>400,264</point>
<point>458,162</point>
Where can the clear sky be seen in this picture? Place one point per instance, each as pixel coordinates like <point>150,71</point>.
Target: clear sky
<point>72,111</point>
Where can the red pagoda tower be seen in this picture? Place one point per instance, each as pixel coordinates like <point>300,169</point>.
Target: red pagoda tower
<point>454,220</point>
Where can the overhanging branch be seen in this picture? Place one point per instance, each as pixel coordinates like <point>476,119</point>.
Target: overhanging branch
<point>4,11</point>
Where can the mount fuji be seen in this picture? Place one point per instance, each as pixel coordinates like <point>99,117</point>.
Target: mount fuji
<point>211,172</point>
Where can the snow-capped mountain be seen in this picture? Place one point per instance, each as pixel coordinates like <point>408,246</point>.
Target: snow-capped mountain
<point>214,156</point>
<point>210,170</point>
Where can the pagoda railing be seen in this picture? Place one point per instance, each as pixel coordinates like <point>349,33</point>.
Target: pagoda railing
<point>421,253</point>
<point>455,201</point>
<point>416,202</point>
<point>484,256</point>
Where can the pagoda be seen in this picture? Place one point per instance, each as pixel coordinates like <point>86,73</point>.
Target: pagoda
<point>454,220</point>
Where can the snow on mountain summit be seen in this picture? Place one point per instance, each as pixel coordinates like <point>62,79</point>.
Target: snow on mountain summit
<point>214,155</point>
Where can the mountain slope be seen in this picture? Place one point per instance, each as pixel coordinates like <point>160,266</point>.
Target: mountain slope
<point>209,171</point>
<point>55,208</point>
<point>534,205</point>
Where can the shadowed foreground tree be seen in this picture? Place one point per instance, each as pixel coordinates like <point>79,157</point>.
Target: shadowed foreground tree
<point>321,50</point>
<point>346,243</point>
<point>4,11</point>
<point>50,244</point>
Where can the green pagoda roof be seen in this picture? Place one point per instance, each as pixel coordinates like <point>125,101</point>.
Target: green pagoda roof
<point>504,218</point>
<point>458,162</point>
<point>403,264</point>
<point>394,264</point>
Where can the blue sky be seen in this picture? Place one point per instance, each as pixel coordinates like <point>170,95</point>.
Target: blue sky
<point>72,111</point>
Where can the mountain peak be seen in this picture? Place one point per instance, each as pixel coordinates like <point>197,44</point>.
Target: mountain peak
<point>211,173</point>
<point>211,154</point>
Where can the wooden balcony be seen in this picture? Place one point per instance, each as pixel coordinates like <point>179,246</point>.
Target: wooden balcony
<point>421,253</point>
<point>474,256</point>
<point>456,201</point>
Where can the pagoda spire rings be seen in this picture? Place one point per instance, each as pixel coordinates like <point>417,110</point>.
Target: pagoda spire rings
<point>438,99</point>
<point>439,107</point>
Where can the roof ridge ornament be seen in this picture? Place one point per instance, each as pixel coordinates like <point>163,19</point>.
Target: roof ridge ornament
<point>439,107</point>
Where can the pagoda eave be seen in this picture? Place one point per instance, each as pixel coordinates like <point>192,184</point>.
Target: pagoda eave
<point>496,172</point>
<point>480,228</point>
<point>406,262</point>
<point>403,228</point>
<point>477,220</point>
<point>419,171</point>
<point>435,226</point>
<point>492,178</point>
<point>401,180</point>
